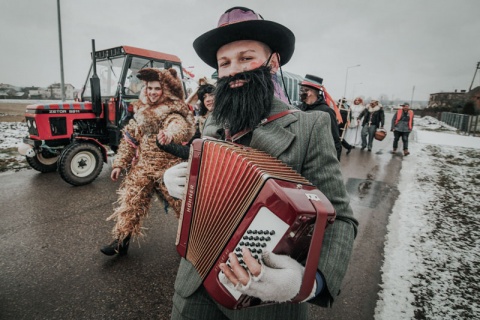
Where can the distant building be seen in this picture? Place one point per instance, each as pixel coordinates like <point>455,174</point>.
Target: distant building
<point>292,84</point>
<point>19,95</point>
<point>473,94</point>
<point>452,99</point>
<point>37,93</point>
<point>55,91</point>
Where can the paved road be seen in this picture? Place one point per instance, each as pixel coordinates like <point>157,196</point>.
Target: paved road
<point>51,232</point>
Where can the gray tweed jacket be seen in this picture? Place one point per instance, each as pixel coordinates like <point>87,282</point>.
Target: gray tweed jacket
<point>303,141</point>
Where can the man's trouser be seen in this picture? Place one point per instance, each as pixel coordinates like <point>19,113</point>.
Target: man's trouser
<point>397,136</point>
<point>201,306</point>
<point>368,130</point>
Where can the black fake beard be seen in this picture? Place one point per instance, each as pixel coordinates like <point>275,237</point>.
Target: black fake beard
<point>244,107</point>
<point>303,97</point>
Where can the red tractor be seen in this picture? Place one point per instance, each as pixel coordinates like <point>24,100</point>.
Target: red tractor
<point>76,138</point>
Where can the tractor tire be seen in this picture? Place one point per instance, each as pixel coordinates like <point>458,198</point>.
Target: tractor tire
<point>80,163</point>
<point>42,163</point>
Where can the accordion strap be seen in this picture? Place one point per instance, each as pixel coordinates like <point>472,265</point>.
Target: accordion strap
<point>264,121</point>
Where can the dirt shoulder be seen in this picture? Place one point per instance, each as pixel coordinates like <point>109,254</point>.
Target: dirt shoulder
<point>12,112</point>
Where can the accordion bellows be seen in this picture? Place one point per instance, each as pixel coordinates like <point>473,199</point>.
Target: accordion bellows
<point>227,187</point>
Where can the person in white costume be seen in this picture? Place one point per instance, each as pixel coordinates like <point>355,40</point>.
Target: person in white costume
<point>353,134</point>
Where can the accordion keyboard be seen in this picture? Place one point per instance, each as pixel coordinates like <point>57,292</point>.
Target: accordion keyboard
<point>263,234</point>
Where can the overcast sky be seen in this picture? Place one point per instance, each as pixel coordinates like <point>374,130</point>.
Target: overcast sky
<point>432,45</point>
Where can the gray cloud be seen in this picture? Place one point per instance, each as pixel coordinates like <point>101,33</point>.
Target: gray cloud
<point>430,44</point>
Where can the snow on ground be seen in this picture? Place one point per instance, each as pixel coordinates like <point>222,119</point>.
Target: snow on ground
<point>11,134</point>
<point>431,264</point>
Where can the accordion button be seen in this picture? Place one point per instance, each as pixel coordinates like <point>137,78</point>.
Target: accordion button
<point>266,232</point>
<point>260,231</point>
<point>259,250</point>
<point>245,237</point>
<point>238,249</point>
<point>267,238</point>
<point>250,238</point>
<point>241,243</point>
<point>262,238</point>
<point>272,232</point>
<point>256,238</point>
<point>258,244</point>
<point>264,245</point>
<point>249,231</point>
<point>253,250</point>
<point>254,231</point>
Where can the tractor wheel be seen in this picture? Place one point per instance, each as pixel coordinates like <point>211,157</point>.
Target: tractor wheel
<point>43,162</point>
<point>80,163</point>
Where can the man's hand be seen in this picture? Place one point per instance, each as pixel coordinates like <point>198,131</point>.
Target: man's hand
<point>115,174</point>
<point>277,278</point>
<point>175,179</point>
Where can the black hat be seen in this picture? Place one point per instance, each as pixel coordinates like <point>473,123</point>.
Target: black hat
<point>240,23</point>
<point>405,104</point>
<point>314,78</point>
<point>312,81</point>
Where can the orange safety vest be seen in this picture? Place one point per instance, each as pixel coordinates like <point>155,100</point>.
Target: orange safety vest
<point>410,120</point>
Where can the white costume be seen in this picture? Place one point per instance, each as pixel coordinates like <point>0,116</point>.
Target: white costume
<point>353,134</point>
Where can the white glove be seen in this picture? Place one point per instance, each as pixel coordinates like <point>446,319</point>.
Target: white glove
<point>280,279</point>
<point>175,179</point>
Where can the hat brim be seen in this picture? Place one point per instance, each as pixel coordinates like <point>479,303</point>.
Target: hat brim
<point>279,38</point>
<point>310,85</point>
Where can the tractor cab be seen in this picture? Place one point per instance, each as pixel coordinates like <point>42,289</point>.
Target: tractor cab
<point>117,69</point>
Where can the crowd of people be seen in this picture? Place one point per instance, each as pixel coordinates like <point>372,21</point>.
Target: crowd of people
<point>246,106</point>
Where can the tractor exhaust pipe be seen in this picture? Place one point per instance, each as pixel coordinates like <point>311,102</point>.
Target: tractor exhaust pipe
<point>95,85</point>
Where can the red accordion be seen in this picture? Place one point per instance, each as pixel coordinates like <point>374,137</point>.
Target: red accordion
<point>238,196</point>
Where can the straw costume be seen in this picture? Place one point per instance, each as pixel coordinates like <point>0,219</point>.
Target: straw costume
<point>139,155</point>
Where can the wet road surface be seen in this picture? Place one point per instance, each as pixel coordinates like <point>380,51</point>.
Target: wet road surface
<point>51,232</point>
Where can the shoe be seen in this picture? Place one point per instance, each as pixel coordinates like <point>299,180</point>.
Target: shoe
<point>369,150</point>
<point>353,147</point>
<point>405,152</point>
<point>349,150</point>
<point>116,248</point>
<point>363,148</point>
<point>393,151</point>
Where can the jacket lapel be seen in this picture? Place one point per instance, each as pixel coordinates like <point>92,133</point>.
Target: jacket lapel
<point>272,137</point>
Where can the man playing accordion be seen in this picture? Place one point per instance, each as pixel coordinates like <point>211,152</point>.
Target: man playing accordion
<point>247,51</point>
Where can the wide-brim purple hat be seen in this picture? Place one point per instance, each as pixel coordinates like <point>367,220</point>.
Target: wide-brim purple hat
<point>241,23</point>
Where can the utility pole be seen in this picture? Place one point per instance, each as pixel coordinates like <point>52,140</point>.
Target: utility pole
<point>346,79</point>
<point>411,100</point>
<point>61,50</point>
